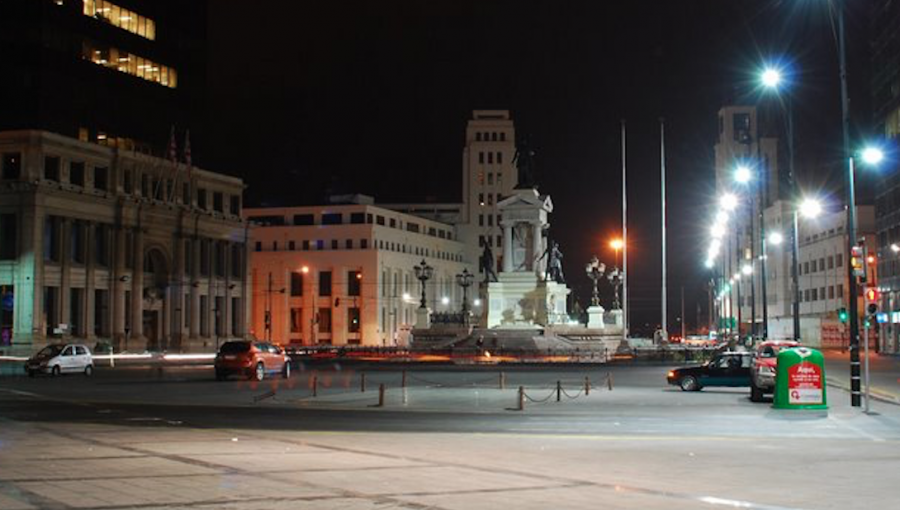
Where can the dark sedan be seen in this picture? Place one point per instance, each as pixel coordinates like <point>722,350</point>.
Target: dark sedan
<point>725,369</point>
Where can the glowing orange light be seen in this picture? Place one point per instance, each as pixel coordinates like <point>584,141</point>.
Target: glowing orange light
<point>616,244</point>
<point>870,259</point>
<point>305,269</point>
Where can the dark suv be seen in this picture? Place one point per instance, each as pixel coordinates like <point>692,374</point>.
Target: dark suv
<point>724,369</point>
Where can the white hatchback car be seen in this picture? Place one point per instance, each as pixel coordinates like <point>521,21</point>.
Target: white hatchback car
<point>59,359</point>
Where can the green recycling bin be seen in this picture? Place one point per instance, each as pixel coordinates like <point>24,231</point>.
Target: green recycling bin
<point>800,379</point>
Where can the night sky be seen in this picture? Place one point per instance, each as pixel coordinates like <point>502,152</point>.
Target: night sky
<point>317,97</point>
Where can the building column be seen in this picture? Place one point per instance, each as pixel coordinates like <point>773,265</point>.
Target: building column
<point>537,249</point>
<point>117,297</point>
<point>137,288</point>
<point>507,248</point>
<point>90,272</point>
<point>176,320</point>
<point>65,273</point>
<point>226,313</point>
<point>194,327</point>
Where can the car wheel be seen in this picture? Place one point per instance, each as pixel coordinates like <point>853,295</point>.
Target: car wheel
<point>287,370</point>
<point>756,393</point>
<point>260,373</point>
<point>89,370</point>
<point>220,375</point>
<point>689,383</point>
<point>55,371</point>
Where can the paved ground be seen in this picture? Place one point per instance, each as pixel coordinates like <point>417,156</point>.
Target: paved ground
<point>140,439</point>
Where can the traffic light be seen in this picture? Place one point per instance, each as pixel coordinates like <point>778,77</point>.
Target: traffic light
<point>871,301</point>
<point>857,263</point>
<point>843,316</point>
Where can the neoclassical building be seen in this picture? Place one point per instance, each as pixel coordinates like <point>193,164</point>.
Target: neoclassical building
<point>99,244</point>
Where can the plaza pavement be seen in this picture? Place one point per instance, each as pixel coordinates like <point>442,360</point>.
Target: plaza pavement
<point>451,442</point>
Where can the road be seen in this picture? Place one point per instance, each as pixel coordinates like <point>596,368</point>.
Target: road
<point>138,438</point>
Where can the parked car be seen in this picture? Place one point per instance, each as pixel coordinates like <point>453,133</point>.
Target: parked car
<point>59,359</point>
<point>724,369</point>
<point>251,359</point>
<point>762,370</point>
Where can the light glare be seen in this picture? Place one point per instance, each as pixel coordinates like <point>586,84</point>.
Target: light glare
<point>872,155</point>
<point>771,78</point>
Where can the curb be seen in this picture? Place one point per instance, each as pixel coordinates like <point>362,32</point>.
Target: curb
<point>875,394</point>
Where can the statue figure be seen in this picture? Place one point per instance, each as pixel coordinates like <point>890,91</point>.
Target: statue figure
<point>554,263</point>
<point>524,161</point>
<point>487,264</point>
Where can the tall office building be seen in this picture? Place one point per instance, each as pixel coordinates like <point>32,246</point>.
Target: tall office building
<point>115,73</point>
<point>886,109</point>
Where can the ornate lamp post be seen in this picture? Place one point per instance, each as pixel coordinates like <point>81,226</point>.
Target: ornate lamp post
<point>424,272</point>
<point>615,279</point>
<point>595,270</point>
<point>464,280</point>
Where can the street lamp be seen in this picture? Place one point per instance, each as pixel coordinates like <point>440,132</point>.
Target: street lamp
<point>424,272</point>
<point>616,244</point>
<point>728,202</point>
<point>771,78</point>
<point>743,174</point>
<point>615,279</point>
<point>464,280</point>
<point>595,270</point>
<point>810,208</point>
<point>775,238</point>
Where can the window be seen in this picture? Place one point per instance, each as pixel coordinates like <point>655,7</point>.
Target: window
<point>304,219</point>
<point>499,158</point>
<point>220,259</point>
<point>296,283</point>
<point>201,199</point>
<point>237,260</point>
<point>119,60</point>
<point>235,205</point>
<point>77,242</point>
<point>393,223</point>
<point>353,320</point>
<point>480,220</point>
<point>481,158</point>
<point>76,309</point>
<point>490,179</point>
<point>204,316</point>
<point>412,227</point>
<point>9,237</point>
<point>292,246</point>
<point>502,136</point>
<point>354,283</point>
<point>324,320</point>
<point>204,257</point>
<point>840,290</point>
<point>379,220</point>
<point>218,204</point>
<point>822,264</point>
<point>831,292</point>
<point>332,219</point>
<point>839,260</point>
<point>101,178</point>
<point>120,17</point>
<point>334,244</point>
<point>815,294</point>
<point>324,283</point>
<point>806,295</point>
<point>320,244</point>
<point>742,127</point>
<point>258,246</point>
<point>363,244</point>
<point>296,320</point>
<point>830,262</point>
<point>306,245</point>
<point>357,218</point>
<point>101,245</point>
<point>274,245</point>
<point>101,312</point>
<point>348,244</point>
<point>76,173</point>
<point>478,136</point>
<point>51,309</point>
<point>806,268</point>
<point>12,165</point>
<point>51,168</point>
<point>490,158</point>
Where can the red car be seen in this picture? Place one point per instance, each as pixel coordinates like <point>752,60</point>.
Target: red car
<point>762,370</point>
<point>251,359</point>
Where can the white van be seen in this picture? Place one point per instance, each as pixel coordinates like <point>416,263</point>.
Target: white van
<point>59,359</point>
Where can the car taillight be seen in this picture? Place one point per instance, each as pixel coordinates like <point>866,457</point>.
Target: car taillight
<point>670,374</point>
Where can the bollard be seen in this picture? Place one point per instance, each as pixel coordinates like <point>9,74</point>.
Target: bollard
<point>609,381</point>
<point>362,382</point>
<point>315,386</point>
<point>502,381</point>
<point>587,386</point>
<point>403,381</point>
<point>521,398</point>
<point>381,395</point>
<point>558,391</point>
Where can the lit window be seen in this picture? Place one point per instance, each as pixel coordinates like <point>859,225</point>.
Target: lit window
<point>114,58</point>
<point>120,17</point>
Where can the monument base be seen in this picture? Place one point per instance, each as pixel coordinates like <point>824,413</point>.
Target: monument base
<point>423,318</point>
<point>522,300</point>
<point>595,317</point>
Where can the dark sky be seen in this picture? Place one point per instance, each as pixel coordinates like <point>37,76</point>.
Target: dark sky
<point>373,97</point>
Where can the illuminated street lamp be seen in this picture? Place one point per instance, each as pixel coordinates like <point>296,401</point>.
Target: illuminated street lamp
<point>728,202</point>
<point>743,174</point>
<point>464,280</point>
<point>616,244</point>
<point>424,272</point>
<point>776,238</point>
<point>810,208</point>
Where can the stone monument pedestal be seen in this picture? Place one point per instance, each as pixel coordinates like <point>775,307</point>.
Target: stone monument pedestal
<point>595,317</point>
<point>616,319</point>
<point>423,318</point>
<point>522,300</point>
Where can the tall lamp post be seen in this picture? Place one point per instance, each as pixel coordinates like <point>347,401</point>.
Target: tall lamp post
<point>464,280</point>
<point>424,272</point>
<point>595,270</point>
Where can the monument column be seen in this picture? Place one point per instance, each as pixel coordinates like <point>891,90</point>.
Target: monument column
<point>137,288</point>
<point>507,248</point>
<point>536,249</point>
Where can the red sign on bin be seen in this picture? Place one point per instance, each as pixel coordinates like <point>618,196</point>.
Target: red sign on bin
<point>805,384</point>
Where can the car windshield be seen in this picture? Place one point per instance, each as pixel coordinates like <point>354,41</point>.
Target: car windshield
<point>770,351</point>
<point>50,351</point>
<point>235,347</point>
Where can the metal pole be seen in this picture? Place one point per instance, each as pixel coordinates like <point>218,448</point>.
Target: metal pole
<point>624,242</point>
<point>851,211</point>
<point>662,176</point>
<point>866,361</point>
<point>269,310</point>
<point>795,270</point>
<point>683,328</point>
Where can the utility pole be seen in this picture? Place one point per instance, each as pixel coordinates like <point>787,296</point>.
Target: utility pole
<point>624,242</point>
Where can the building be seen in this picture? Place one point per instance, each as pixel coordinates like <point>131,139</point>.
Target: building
<point>119,73</point>
<point>822,275</point>
<point>886,108</point>
<point>102,244</point>
<point>344,274</point>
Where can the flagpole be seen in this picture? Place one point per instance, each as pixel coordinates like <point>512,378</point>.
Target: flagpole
<point>662,170</point>
<point>624,242</point>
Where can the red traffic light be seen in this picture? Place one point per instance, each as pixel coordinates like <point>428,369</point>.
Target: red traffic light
<point>871,295</point>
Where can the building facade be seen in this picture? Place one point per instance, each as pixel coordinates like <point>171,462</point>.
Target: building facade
<point>886,109</point>
<point>344,274</point>
<point>101,244</point>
